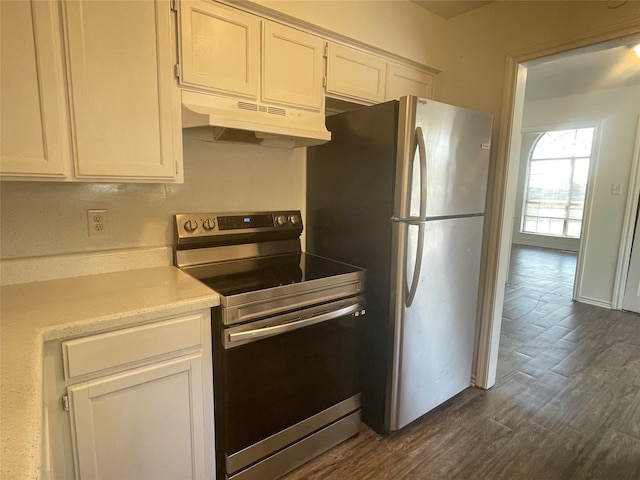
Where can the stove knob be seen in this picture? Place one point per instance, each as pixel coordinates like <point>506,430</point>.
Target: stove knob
<point>190,225</point>
<point>294,219</point>
<point>281,220</point>
<point>209,224</point>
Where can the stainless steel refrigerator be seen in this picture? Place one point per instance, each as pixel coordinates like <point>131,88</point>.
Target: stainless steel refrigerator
<point>400,190</point>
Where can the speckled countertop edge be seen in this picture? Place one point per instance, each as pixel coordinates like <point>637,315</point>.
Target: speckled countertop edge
<point>33,313</point>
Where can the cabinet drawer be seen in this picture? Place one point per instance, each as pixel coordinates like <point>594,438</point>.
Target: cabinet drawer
<point>87,355</point>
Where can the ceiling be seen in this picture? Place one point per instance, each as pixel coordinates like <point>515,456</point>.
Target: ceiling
<point>598,67</point>
<point>449,9</point>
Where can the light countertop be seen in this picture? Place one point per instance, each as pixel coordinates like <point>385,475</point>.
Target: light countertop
<point>33,313</point>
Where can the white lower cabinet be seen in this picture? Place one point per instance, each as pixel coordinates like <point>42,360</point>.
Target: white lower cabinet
<point>138,424</point>
<point>137,403</point>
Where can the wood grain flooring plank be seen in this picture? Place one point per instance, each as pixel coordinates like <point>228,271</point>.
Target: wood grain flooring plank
<point>580,358</point>
<point>541,342</point>
<point>532,453</point>
<point>627,418</point>
<point>613,455</point>
<point>547,359</point>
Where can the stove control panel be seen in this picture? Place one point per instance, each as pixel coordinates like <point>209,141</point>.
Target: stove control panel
<point>195,225</point>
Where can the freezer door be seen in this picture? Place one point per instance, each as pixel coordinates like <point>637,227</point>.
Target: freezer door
<point>456,146</point>
<point>434,338</point>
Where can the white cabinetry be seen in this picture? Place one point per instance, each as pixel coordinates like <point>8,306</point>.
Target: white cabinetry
<point>231,52</point>
<point>220,48</point>
<point>148,410</point>
<point>140,402</point>
<point>123,121</point>
<point>404,80</point>
<point>34,133</point>
<point>354,74</point>
<point>125,105</point>
<point>292,67</point>
<point>364,78</point>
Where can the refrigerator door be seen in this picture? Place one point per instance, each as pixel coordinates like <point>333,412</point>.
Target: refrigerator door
<point>434,336</point>
<point>456,143</point>
<point>443,158</point>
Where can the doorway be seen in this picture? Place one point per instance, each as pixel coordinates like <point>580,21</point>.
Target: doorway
<point>524,70</point>
<point>550,202</point>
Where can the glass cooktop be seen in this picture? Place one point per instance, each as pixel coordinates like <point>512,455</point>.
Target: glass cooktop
<point>250,275</point>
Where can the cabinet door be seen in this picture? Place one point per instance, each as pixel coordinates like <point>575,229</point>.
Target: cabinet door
<point>292,67</point>
<point>35,127</point>
<point>219,48</point>
<point>125,102</point>
<point>146,424</point>
<point>403,80</point>
<point>354,74</point>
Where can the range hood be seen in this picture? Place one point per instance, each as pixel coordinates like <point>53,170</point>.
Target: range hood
<point>216,118</point>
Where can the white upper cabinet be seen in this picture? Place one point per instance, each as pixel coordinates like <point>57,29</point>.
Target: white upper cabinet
<point>35,128</point>
<point>219,48</point>
<point>292,67</point>
<point>404,80</point>
<point>124,101</point>
<point>233,53</point>
<point>354,74</point>
<point>88,91</point>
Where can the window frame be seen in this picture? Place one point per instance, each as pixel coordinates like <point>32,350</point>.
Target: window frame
<point>530,136</point>
<point>573,160</point>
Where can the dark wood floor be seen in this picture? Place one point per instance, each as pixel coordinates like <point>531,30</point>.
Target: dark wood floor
<point>566,404</point>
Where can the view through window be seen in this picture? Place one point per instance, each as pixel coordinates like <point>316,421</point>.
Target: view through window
<point>557,183</point>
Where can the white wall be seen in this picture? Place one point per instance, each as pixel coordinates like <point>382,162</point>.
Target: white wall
<point>478,42</point>
<point>49,218</point>
<point>617,112</point>
<point>46,218</point>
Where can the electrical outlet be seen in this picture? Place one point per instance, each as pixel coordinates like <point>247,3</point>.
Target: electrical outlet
<point>98,223</point>
<point>616,189</point>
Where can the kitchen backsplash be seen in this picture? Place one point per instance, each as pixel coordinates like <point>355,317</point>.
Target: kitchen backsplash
<point>47,218</point>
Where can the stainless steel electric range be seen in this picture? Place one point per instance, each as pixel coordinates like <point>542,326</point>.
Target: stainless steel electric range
<point>284,340</point>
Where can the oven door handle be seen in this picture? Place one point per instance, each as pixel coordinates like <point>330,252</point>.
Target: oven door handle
<point>259,333</point>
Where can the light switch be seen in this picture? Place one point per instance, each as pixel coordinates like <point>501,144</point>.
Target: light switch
<point>616,189</point>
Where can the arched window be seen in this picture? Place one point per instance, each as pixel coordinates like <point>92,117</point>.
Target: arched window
<point>557,183</point>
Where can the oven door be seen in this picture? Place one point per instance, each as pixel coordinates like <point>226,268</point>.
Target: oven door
<point>281,379</point>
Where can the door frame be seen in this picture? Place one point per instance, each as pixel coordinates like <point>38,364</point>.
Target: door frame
<point>628,227</point>
<point>501,201</point>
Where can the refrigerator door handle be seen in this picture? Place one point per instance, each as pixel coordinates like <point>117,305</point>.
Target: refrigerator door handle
<point>409,220</point>
<point>423,171</point>
<point>411,291</point>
